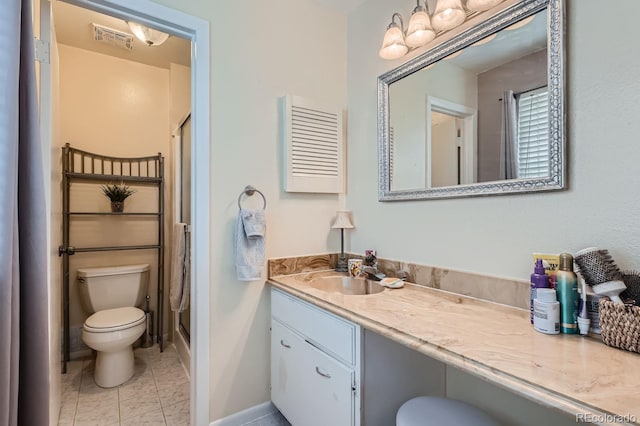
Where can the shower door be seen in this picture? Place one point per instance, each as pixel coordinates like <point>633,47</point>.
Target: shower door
<point>184,317</point>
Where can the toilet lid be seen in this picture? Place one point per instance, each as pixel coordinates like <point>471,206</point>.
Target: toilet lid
<point>114,319</point>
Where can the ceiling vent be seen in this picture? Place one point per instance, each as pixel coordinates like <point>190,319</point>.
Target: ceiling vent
<point>113,37</point>
<point>313,147</point>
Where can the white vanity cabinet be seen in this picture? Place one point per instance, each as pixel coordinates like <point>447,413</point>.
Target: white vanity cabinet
<point>315,364</point>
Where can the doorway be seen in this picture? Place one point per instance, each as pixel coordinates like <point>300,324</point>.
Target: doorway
<point>451,143</point>
<point>196,30</point>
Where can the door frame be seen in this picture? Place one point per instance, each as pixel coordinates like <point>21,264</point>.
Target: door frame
<point>197,30</point>
<point>469,117</point>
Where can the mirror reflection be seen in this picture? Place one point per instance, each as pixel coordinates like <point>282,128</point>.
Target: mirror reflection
<point>478,115</point>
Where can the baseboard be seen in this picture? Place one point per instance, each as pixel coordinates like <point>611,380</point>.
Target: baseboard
<point>246,416</point>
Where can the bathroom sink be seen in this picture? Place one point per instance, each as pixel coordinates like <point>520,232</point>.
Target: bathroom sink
<point>346,285</point>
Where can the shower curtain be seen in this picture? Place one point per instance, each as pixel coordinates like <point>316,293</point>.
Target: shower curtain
<point>24,342</point>
<point>509,136</point>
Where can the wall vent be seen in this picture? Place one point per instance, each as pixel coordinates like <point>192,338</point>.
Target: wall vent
<point>113,37</point>
<point>314,148</point>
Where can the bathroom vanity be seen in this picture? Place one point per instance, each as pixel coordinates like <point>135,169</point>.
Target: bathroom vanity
<point>315,363</point>
<point>574,375</point>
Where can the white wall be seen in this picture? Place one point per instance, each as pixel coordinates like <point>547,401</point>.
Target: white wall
<point>496,235</point>
<point>113,107</point>
<point>260,52</point>
<point>407,98</point>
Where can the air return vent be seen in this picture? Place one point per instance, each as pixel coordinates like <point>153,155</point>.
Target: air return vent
<point>113,37</point>
<point>314,149</point>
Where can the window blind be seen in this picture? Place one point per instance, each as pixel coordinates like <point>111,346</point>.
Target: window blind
<point>533,134</point>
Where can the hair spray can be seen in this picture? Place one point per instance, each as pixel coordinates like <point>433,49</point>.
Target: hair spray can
<point>567,290</point>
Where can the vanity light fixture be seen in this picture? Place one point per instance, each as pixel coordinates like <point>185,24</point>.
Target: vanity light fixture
<point>342,222</point>
<point>393,44</point>
<point>148,35</point>
<point>423,28</point>
<point>420,31</point>
<point>448,15</point>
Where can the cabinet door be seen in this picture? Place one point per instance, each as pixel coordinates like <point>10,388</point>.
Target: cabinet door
<point>309,387</point>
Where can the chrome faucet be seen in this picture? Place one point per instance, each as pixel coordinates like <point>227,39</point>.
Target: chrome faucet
<point>370,268</point>
<point>373,273</point>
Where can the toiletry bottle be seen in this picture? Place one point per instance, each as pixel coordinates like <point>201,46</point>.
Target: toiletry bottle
<point>567,289</point>
<point>539,279</point>
<point>546,311</point>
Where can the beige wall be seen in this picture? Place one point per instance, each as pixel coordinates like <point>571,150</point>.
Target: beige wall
<point>261,51</point>
<point>496,235</point>
<point>118,108</point>
<point>180,94</point>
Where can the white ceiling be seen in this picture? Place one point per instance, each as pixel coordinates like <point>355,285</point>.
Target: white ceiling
<point>73,28</point>
<point>507,46</point>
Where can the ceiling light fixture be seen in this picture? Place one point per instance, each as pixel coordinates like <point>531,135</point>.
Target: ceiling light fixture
<point>147,35</point>
<point>423,28</point>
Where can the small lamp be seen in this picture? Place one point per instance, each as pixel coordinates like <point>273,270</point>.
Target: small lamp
<point>342,222</point>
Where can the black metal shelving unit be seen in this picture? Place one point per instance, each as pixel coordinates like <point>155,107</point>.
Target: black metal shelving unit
<point>83,166</point>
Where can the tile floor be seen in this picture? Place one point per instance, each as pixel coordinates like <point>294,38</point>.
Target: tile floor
<point>157,394</point>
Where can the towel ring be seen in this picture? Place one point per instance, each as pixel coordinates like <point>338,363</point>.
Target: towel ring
<point>250,190</point>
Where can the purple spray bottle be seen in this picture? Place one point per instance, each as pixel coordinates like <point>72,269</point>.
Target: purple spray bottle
<point>539,279</point>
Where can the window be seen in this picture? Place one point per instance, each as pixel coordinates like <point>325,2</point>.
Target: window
<point>533,134</point>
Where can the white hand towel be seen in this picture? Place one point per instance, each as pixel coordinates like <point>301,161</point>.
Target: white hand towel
<point>180,269</point>
<point>250,251</point>
<point>253,222</point>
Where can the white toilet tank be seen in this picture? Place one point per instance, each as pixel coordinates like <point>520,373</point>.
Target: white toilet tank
<point>113,286</point>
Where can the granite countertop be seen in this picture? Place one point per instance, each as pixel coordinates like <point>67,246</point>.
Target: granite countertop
<point>495,342</point>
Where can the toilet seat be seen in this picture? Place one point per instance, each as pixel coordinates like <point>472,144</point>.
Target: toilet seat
<point>116,319</point>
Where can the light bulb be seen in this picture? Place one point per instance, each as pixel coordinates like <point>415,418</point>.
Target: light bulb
<point>448,15</point>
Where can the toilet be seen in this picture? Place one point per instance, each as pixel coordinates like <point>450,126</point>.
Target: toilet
<point>436,411</point>
<point>111,295</point>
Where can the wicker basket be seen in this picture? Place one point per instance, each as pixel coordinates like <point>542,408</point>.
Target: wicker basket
<point>620,325</point>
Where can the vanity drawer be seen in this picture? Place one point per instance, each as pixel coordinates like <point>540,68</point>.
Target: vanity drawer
<point>321,328</point>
